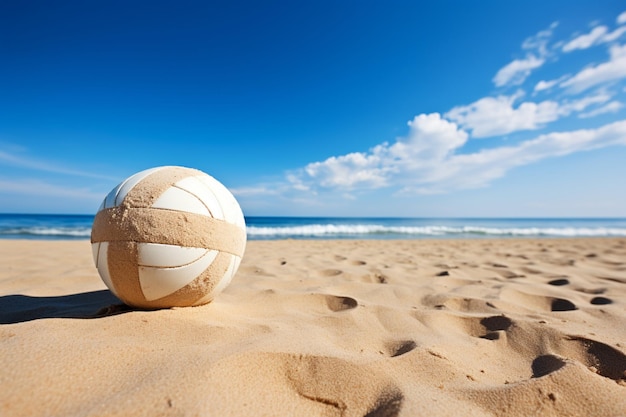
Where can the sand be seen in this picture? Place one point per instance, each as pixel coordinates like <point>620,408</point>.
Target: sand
<point>326,328</point>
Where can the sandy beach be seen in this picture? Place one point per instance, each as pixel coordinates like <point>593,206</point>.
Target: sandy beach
<point>326,328</point>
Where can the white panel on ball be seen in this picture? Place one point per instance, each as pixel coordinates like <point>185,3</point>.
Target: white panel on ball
<point>232,211</point>
<point>196,187</point>
<point>100,256</point>
<point>160,254</point>
<point>123,189</point>
<point>180,200</point>
<point>158,282</point>
<point>223,283</point>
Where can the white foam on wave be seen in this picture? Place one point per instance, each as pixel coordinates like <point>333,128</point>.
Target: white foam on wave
<point>361,230</point>
<point>373,229</point>
<point>49,231</point>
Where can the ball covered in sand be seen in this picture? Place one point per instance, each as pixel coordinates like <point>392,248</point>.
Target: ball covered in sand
<point>168,237</point>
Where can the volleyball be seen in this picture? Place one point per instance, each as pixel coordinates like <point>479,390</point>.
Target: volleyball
<point>168,237</point>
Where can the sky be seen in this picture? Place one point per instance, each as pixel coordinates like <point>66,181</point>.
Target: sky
<point>321,108</point>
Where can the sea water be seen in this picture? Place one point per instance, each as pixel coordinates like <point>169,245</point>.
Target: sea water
<point>62,226</point>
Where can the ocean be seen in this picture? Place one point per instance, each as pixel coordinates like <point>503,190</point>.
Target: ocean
<point>63,227</point>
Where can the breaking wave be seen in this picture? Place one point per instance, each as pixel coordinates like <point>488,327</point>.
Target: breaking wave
<point>374,230</point>
<point>75,232</point>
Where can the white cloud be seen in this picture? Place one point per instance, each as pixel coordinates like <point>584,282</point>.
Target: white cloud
<point>539,42</point>
<point>621,18</point>
<point>587,40</point>
<point>516,72</point>
<point>569,106</point>
<point>426,160</point>
<point>612,107</point>
<point>431,139</point>
<point>296,183</point>
<point>491,116</point>
<point>480,168</point>
<point>612,70</point>
<point>610,37</point>
<point>598,35</point>
<point>349,171</point>
<point>546,85</point>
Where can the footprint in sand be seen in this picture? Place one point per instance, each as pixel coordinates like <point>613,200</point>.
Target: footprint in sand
<point>329,382</point>
<point>603,359</point>
<point>559,282</point>
<point>561,304</point>
<point>546,364</point>
<point>553,351</point>
<point>493,326</point>
<point>399,347</point>
<point>601,301</point>
<point>536,302</point>
<point>495,323</point>
<point>606,360</point>
<point>304,384</point>
<point>490,327</point>
<point>338,303</point>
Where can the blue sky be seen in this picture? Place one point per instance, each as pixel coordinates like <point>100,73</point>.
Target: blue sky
<point>325,108</point>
